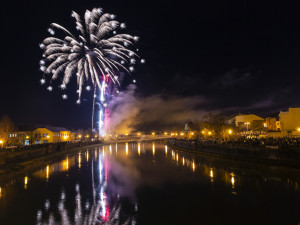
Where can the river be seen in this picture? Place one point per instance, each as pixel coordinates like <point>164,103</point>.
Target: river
<point>149,183</point>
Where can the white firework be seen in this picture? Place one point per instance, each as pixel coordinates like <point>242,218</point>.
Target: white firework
<point>95,51</point>
<point>42,81</point>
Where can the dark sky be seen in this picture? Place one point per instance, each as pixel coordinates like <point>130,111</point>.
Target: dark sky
<point>242,56</point>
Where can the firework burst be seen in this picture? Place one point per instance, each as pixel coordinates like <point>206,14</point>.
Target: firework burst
<point>97,50</point>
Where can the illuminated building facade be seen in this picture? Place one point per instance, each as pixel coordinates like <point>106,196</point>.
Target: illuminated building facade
<point>242,120</point>
<point>290,122</point>
<point>41,135</point>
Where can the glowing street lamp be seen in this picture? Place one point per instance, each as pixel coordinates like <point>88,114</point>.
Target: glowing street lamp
<point>230,132</point>
<point>247,123</point>
<point>1,142</point>
<point>153,133</point>
<point>298,129</point>
<point>209,132</point>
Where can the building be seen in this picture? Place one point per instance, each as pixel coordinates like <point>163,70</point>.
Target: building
<point>290,122</point>
<point>40,135</point>
<point>43,136</point>
<point>250,121</point>
<point>22,136</point>
<point>50,134</point>
<point>272,124</point>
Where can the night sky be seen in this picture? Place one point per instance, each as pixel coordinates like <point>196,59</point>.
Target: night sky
<point>241,56</point>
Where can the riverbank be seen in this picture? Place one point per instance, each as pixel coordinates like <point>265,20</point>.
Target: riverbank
<point>259,155</point>
<point>25,161</point>
<point>18,163</point>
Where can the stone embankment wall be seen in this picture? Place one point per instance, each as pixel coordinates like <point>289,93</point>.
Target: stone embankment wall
<point>258,154</point>
<point>25,153</point>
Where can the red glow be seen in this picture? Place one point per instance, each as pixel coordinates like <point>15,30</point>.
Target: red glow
<point>106,216</point>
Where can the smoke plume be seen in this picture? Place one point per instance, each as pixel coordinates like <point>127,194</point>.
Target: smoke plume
<point>130,112</point>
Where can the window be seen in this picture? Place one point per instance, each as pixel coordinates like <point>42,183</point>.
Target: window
<point>43,135</point>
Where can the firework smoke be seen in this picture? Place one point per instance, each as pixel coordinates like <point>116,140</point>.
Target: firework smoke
<point>130,112</point>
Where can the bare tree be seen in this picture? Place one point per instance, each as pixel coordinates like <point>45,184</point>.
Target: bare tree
<point>6,128</point>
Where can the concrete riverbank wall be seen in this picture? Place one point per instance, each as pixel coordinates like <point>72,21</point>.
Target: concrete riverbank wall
<point>8,156</point>
<point>258,154</point>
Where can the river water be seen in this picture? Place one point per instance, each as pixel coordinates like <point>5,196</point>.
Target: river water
<point>149,183</point>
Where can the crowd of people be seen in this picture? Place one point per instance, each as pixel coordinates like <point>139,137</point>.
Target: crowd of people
<point>281,143</point>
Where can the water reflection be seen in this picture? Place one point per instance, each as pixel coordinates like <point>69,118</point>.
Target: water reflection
<point>25,182</point>
<point>153,148</point>
<point>100,209</point>
<point>139,148</point>
<point>98,186</point>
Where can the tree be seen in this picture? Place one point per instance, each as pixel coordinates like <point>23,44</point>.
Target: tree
<point>6,128</point>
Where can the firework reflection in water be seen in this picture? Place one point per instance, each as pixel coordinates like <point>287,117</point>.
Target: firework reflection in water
<point>89,211</point>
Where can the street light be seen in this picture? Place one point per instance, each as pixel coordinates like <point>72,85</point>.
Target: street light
<point>298,129</point>
<point>230,131</point>
<point>1,142</point>
<point>247,123</point>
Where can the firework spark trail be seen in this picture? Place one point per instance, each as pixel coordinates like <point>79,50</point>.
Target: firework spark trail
<point>96,51</point>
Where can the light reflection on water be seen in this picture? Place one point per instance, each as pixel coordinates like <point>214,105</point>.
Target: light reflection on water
<point>99,185</point>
